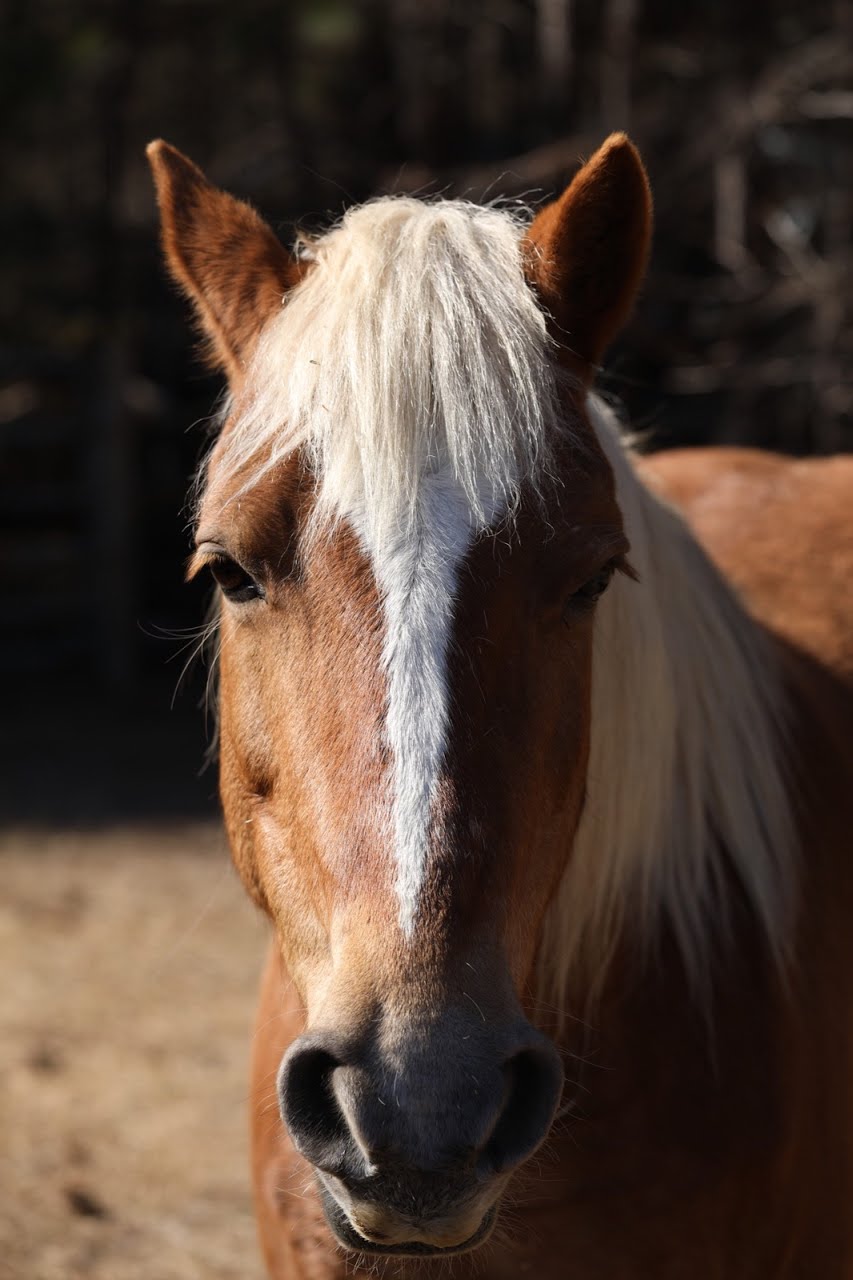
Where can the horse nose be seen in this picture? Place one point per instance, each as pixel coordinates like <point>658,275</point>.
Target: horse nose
<point>534,1083</point>
<point>308,1104</point>
<point>438,1109</point>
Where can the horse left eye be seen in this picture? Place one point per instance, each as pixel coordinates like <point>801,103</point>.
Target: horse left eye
<point>586,596</point>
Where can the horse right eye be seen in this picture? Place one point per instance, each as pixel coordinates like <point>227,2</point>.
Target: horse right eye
<point>233,581</point>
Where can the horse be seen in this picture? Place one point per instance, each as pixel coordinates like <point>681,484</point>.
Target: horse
<point>535,752</point>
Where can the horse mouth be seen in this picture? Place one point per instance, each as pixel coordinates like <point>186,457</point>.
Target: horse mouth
<point>346,1234</point>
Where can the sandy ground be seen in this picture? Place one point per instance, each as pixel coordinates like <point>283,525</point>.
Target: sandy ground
<point>129,964</point>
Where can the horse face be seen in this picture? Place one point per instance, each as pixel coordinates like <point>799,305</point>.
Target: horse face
<point>419,1080</point>
<point>404,731</point>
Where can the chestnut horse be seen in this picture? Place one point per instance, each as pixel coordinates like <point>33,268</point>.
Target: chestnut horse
<point>545,789</point>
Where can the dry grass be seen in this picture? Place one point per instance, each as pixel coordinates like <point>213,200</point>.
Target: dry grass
<point>130,960</point>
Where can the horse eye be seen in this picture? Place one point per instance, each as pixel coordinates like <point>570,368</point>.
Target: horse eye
<point>585,597</point>
<point>233,580</point>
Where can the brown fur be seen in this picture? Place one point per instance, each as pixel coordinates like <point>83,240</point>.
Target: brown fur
<point>713,1143</point>
<point>589,248</point>
<point>222,254</point>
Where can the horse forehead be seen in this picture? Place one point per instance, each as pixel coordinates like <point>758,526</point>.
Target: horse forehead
<point>252,503</point>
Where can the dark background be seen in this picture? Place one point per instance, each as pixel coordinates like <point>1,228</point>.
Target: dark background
<point>743,111</point>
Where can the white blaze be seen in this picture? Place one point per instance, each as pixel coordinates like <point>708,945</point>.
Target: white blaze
<point>417,571</point>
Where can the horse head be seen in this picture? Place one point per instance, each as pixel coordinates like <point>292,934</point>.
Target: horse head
<point>410,520</point>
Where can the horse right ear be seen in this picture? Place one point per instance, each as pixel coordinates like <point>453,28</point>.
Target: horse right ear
<point>223,255</point>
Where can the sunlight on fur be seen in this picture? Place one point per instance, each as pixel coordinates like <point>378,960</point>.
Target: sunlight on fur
<point>413,346</point>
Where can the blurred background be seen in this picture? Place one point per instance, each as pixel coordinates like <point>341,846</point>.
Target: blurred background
<point>744,114</point>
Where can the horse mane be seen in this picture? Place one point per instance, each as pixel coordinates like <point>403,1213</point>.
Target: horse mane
<point>687,789</point>
<point>415,347</point>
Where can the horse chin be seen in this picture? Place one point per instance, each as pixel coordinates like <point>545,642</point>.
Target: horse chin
<point>346,1234</point>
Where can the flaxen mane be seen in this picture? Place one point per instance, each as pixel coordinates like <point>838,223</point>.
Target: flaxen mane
<point>414,361</point>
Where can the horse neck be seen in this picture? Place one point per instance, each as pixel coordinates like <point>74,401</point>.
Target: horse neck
<point>687,809</point>
<point>708,1053</point>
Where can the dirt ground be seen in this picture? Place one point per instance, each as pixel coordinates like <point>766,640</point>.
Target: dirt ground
<point>129,964</point>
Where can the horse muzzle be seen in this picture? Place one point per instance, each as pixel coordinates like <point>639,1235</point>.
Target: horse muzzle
<point>371,1226</point>
<point>414,1130</point>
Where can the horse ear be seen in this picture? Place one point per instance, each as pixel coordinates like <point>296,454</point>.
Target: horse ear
<point>222,254</point>
<point>587,251</point>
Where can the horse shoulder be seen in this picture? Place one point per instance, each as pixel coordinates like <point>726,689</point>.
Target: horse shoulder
<point>781,530</point>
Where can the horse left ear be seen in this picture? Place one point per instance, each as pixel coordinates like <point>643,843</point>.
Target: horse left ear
<point>587,251</point>
<point>222,254</point>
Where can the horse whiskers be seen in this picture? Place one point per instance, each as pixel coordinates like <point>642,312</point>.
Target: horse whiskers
<point>198,641</point>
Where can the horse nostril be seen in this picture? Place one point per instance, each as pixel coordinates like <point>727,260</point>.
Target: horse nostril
<point>535,1082</point>
<point>309,1107</point>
